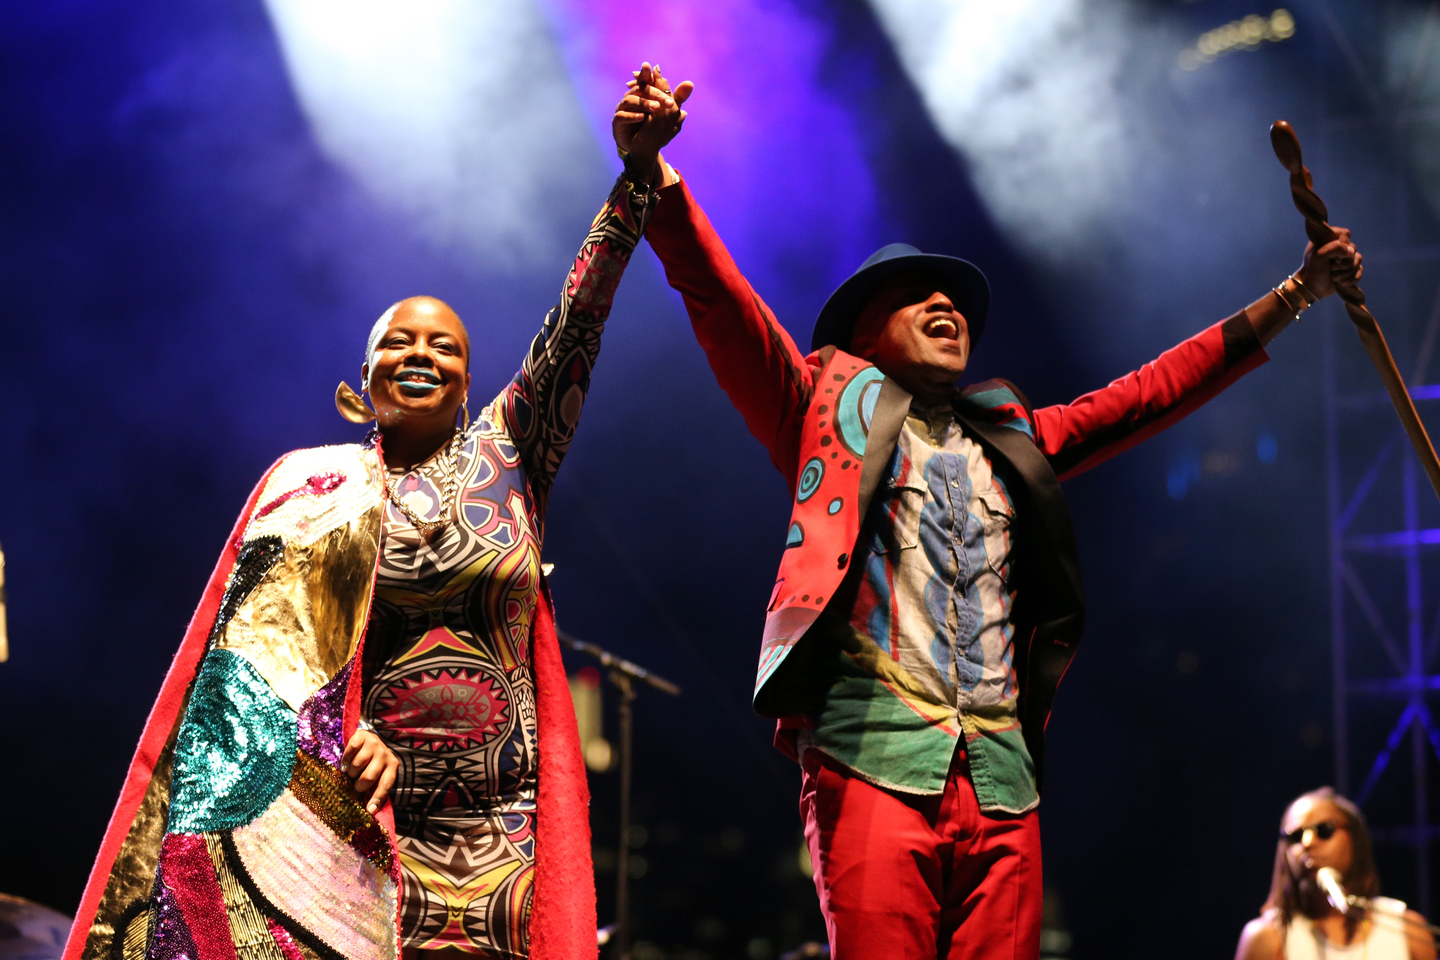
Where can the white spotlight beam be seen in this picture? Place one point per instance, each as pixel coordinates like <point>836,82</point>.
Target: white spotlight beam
<point>457,112</point>
<point>1025,91</point>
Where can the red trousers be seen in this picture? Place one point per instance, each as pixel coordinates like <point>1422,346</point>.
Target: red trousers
<point>919,877</point>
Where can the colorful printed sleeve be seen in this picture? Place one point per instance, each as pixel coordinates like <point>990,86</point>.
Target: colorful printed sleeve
<point>541,406</point>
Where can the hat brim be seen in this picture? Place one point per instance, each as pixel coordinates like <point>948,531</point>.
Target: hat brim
<point>962,279</point>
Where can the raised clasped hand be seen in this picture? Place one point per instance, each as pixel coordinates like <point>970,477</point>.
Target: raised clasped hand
<point>1337,263</point>
<point>371,767</point>
<point>649,116</point>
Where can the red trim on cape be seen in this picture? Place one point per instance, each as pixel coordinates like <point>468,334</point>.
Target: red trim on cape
<point>158,727</point>
<point>562,914</point>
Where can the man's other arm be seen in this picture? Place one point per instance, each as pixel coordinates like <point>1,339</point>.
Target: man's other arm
<point>1079,435</point>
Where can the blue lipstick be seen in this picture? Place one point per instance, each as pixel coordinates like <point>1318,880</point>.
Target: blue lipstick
<point>416,380</point>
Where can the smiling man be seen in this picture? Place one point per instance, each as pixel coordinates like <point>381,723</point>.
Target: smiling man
<point>928,599</point>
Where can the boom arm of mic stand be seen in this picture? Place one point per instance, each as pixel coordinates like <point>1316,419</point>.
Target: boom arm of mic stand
<point>622,671</point>
<point>612,662</point>
<point>1363,903</point>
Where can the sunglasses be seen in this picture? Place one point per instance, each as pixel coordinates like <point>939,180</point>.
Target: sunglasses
<point>1324,830</point>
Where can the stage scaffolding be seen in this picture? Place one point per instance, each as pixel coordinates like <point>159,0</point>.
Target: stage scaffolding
<point>1384,522</point>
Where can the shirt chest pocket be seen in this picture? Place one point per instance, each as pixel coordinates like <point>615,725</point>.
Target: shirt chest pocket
<point>996,515</point>
<point>897,519</point>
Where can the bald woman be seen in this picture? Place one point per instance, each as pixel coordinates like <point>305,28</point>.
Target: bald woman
<point>450,661</point>
<point>379,624</point>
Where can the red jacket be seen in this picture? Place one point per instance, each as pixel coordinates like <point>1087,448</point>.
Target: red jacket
<point>830,422</point>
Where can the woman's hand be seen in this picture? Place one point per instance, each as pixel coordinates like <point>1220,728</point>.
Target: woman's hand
<point>649,117</point>
<point>371,767</point>
<point>1336,263</point>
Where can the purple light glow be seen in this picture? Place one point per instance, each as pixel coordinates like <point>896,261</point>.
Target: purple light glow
<point>776,160</point>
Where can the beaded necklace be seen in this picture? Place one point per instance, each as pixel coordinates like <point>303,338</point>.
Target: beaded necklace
<point>447,496</point>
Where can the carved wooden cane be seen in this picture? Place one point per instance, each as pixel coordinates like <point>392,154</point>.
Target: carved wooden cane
<point>1287,149</point>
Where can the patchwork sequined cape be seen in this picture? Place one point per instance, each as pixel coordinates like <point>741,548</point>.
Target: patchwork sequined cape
<point>236,836</point>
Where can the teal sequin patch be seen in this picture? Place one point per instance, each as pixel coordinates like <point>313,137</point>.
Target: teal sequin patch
<point>235,750</point>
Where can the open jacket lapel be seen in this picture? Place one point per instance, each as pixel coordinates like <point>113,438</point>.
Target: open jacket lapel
<point>891,408</point>
<point>1046,636</point>
<point>1048,508</point>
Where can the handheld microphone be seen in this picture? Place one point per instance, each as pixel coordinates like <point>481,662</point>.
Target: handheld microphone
<point>1329,880</point>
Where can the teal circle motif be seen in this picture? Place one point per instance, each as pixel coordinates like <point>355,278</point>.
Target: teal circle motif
<point>855,408</point>
<point>795,536</point>
<point>835,506</point>
<point>235,750</point>
<point>810,479</point>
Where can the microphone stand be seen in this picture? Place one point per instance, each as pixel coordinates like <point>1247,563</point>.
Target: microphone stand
<point>1363,904</point>
<point>4,634</point>
<point>623,674</point>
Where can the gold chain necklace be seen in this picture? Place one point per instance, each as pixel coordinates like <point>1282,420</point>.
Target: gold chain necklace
<point>447,496</point>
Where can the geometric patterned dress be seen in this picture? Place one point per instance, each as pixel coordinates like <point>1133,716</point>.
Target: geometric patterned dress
<point>449,683</point>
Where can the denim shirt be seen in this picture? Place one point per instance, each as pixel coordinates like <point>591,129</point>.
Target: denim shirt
<point>919,650</point>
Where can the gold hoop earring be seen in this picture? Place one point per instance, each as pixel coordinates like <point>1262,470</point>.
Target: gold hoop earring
<point>351,405</point>
<point>465,409</point>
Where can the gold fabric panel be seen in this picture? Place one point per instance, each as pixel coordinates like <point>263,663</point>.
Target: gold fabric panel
<point>302,622</point>
<point>248,930</point>
<point>133,874</point>
<point>137,937</point>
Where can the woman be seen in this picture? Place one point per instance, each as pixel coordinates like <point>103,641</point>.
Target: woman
<point>398,578</point>
<point>1323,829</point>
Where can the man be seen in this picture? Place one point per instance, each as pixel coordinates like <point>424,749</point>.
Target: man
<point>929,596</point>
<point>1298,922</point>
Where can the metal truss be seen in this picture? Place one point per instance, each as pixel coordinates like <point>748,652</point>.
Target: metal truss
<point>1385,596</point>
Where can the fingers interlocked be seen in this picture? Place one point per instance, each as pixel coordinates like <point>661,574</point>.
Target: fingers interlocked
<point>649,115</point>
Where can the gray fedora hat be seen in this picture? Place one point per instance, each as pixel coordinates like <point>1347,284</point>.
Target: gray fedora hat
<point>963,281</point>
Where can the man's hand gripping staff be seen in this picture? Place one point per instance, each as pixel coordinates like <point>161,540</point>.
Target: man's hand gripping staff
<point>1323,236</point>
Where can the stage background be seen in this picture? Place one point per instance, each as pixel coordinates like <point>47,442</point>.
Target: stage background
<point>203,206</point>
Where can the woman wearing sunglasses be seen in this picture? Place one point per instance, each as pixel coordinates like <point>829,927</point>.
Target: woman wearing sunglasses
<point>1323,829</point>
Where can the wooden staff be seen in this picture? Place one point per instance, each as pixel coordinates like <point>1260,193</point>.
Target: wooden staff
<point>1287,149</point>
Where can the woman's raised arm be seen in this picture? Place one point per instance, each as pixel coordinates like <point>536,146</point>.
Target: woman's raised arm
<point>541,407</point>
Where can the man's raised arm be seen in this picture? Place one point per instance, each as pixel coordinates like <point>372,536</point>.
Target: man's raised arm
<point>753,357</point>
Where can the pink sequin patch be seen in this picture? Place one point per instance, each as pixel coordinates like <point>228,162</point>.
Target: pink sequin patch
<point>186,868</point>
<point>321,483</point>
<point>374,845</point>
<point>289,949</point>
<point>319,881</point>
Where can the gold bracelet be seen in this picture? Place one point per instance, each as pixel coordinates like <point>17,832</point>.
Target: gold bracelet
<point>1281,292</point>
<point>1310,298</point>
